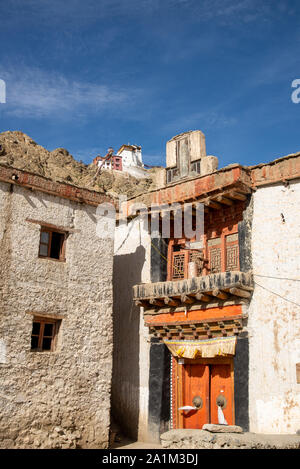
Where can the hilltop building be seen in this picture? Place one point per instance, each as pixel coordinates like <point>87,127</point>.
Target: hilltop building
<point>128,159</point>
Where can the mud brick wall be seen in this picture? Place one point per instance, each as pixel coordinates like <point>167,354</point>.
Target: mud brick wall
<point>58,399</point>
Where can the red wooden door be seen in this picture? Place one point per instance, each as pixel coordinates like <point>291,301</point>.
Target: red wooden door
<point>221,389</point>
<point>195,383</point>
<point>211,382</point>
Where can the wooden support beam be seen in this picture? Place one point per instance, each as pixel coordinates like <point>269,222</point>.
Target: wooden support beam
<point>142,303</point>
<point>238,323</point>
<point>187,299</point>
<point>212,204</point>
<point>219,294</point>
<point>240,292</point>
<point>236,195</point>
<point>171,301</point>
<point>155,302</point>
<point>202,297</point>
<point>224,200</point>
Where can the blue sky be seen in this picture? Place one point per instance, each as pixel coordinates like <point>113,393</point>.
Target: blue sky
<point>87,75</point>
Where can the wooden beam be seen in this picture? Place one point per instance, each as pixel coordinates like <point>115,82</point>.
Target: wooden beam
<point>202,297</point>
<point>236,195</point>
<point>238,323</point>
<point>223,200</point>
<point>187,299</point>
<point>142,303</point>
<point>239,292</point>
<point>155,302</point>
<point>212,204</point>
<point>171,301</point>
<point>219,294</point>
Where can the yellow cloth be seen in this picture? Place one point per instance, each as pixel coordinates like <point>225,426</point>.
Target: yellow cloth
<point>220,347</point>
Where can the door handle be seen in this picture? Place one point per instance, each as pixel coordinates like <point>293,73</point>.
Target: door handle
<point>197,405</point>
<point>221,401</point>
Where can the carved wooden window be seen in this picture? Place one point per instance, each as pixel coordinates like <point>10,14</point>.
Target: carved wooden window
<point>214,254</point>
<point>44,334</point>
<point>232,252</point>
<point>179,265</point>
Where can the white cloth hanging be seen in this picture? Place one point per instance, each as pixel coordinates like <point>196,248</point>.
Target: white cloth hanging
<point>221,418</point>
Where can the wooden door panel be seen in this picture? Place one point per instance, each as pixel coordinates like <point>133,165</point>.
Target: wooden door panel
<point>221,384</point>
<point>195,382</point>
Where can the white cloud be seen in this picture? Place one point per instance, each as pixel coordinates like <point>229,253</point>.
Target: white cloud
<point>89,11</point>
<point>201,120</point>
<point>36,93</point>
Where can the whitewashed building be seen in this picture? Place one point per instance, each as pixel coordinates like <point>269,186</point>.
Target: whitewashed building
<point>132,161</point>
<point>258,207</point>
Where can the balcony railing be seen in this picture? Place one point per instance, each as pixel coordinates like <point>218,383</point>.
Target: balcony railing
<point>222,287</point>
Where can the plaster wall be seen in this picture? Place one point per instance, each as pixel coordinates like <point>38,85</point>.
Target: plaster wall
<point>274,311</point>
<point>130,388</point>
<point>57,399</point>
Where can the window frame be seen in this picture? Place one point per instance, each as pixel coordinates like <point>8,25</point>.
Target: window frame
<point>41,335</point>
<point>62,248</point>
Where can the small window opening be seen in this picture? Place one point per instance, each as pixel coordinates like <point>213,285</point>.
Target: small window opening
<point>44,334</point>
<point>52,244</point>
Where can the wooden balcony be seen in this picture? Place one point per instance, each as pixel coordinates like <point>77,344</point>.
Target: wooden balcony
<point>216,289</point>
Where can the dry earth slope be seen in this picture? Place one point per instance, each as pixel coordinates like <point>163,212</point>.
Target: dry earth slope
<point>20,151</point>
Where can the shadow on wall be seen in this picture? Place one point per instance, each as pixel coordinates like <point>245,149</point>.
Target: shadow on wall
<point>126,321</point>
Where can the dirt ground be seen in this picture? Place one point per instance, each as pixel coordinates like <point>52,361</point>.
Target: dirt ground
<point>129,444</point>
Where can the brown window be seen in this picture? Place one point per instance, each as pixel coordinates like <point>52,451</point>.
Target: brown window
<point>44,334</point>
<point>232,252</point>
<point>179,265</point>
<point>52,244</point>
<point>214,250</point>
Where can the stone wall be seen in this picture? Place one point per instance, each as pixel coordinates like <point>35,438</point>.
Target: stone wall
<point>274,319</point>
<point>56,399</point>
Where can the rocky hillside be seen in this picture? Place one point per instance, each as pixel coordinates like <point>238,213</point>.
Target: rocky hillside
<point>20,151</point>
